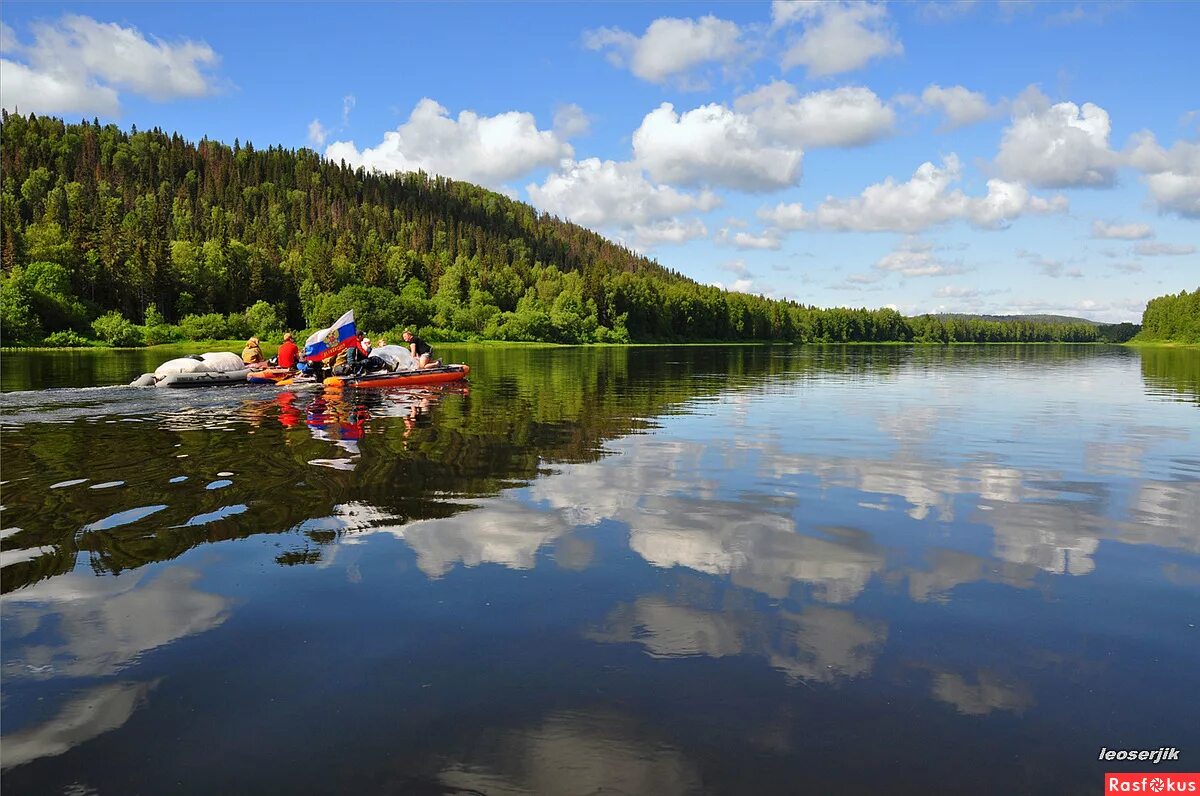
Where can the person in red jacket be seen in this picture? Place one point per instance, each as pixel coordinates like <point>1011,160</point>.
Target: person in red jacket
<point>288,354</point>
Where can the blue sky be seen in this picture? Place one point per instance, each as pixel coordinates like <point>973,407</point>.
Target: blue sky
<point>977,157</point>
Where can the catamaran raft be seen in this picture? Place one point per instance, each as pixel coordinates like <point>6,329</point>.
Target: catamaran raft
<point>382,366</point>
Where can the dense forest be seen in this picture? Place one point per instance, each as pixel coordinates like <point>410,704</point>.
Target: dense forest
<point>142,237</point>
<point>1174,318</point>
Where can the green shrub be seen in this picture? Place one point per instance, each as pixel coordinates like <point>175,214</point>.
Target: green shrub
<point>236,326</point>
<point>210,326</point>
<point>163,333</point>
<point>374,308</point>
<point>434,334</point>
<point>67,339</point>
<point>113,329</point>
<point>526,325</point>
<point>153,316</point>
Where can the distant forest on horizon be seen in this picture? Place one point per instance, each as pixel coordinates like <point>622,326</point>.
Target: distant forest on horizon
<point>143,237</point>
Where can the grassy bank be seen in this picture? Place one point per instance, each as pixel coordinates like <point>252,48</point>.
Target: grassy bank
<point>1160,344</point>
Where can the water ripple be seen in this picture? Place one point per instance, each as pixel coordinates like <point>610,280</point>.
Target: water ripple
<point>123,518</point>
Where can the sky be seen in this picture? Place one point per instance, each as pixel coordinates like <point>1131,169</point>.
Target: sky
<point>983,157</point>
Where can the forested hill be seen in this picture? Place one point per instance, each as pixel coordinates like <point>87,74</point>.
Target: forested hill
<point>138,237</point>
<point>148,218</point>
<point>1016,318</point>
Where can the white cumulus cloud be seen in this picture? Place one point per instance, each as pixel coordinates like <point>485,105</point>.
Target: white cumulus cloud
<point>1172,175</point>
<point>570,121</point>
<point>1104,229</point>
<point>847,116</point>
<point>482,149</point>
<point>959,105</point>
<point>1057,146</point>
<point>29,91</point>
<point>837,36</point>
<point>744,280</point>
<point>669,47</point>
<point>916,257</point>
<point>768,239</point>
<point>608,194</point>
<point>77,64</point>
<point>713,145</point>
<point>921,202</point>
<point>672,231</point>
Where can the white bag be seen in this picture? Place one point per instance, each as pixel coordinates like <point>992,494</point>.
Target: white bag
<point>221,361</point>
<point>181,365</point>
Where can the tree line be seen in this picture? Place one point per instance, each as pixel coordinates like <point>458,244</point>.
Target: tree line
<point>1172,318</point>
<point>143,237</point>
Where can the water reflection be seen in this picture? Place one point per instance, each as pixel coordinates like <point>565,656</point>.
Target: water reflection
<point>502,532</point>
<point>826,644</point>
<point>948,569</point>
<point>818,644</point>
<point>603,570</point>
<point>574,753</point>
<point>1172,373</point>
<point>94,712</point>
<point>102,625</point>
<point>988,693</point>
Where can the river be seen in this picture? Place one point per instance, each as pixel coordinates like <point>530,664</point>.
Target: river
<point>634,570</point>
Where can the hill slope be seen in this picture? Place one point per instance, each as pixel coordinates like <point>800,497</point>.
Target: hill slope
<point>1018,318</point>
<point>227,240</point>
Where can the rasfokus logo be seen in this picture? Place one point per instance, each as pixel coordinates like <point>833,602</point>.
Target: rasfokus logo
<point>1166,782</point>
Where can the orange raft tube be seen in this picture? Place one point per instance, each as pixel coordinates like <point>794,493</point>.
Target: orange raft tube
<point>406,378</point>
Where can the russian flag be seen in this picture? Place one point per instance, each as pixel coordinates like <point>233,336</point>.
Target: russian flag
<point>326,343</point>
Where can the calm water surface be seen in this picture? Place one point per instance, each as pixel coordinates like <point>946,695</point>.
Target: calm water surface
<point>663,570</point>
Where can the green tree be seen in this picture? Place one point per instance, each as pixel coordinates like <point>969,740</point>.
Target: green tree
<point>18,321</point>
<point>263,319</point>
<point>115,330</point>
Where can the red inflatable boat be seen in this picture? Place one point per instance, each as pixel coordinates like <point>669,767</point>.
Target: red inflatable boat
<point>403,378</point>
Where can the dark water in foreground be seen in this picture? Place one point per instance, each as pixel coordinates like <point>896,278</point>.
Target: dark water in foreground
<point>818,570</point>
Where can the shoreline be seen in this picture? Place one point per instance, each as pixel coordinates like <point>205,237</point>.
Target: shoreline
<point>232,344</point>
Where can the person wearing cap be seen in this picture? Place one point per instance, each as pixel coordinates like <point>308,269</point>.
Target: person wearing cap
<point>420,350</point>
<point>252,354</point>
<point>288,354</point>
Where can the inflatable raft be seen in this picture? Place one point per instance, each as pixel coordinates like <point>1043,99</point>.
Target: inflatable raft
<point>405,378</point>
<point>204,370</point>
<point>279,376</point>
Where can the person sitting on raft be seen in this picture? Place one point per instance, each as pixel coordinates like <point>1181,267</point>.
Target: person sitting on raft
<point>343,364</point>
<point>420,350</point>
<point>384,357</point>
<point>288,354</point>
<point>252,355</point>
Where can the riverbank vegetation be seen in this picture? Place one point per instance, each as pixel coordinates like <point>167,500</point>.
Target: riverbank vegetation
<point>135,238</point>
<point>1172,319</point>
